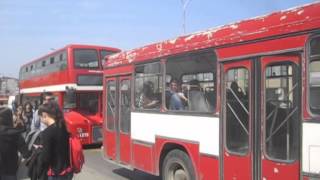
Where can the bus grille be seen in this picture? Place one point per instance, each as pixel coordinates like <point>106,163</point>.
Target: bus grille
<point>97,134</point>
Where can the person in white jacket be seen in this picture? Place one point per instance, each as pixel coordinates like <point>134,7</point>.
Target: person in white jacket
<point>36,124</point>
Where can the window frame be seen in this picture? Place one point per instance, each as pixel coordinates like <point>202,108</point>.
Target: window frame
<point>120,80</point>
<point>308,62</point>
<point>214,111</point>
<point>223,83</point>
<point>114,80</point>
<point>163,62</point>
<point>92,49</point>
<point>134,85</point>
<point>295,73</point>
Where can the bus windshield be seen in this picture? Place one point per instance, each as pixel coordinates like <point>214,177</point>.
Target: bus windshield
<point>86,58</point>
<point>88,102</point>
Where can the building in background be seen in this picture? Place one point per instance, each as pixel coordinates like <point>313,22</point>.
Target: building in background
<point>8,87</point>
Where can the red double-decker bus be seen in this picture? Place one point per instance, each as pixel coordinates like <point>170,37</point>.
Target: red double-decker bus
<point>241,101</point>
<point>74,75</point>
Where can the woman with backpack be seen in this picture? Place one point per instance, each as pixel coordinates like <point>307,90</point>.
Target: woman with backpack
<point>11,142</point>
<point>54,158</point>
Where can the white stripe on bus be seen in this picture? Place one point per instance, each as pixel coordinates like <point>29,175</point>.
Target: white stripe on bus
<point>204,130</point>
<point>61,87</point>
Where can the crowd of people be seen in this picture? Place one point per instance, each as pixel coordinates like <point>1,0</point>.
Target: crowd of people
<point>48,156</point>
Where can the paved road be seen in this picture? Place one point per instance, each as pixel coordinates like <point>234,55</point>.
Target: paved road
<point>95,168</point>
<point>98,169</point>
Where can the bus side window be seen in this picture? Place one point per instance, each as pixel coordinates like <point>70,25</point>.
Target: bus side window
<point>148,86</point>
<point>196,76</point>
<point>314,75</point>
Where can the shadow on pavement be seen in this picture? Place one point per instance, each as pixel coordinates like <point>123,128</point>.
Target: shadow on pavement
<point>135,174</point>
<point>92,146</point>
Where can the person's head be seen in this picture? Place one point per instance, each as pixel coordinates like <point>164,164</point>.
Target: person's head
<point>47,97</point>
<point>28,107</point>
<point>19,109</point>
<point>234,86</point>
<point>148,88</point>
<point>174,86</point>
<point>194,85</point>
<point>6,117</point>
<point>49,112</point>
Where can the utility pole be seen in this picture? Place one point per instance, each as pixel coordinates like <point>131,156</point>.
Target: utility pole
<point>184,9</point>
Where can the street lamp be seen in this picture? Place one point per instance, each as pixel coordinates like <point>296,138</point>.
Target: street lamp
<point>184,9</point>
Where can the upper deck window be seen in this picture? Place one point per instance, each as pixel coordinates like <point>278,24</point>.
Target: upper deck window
<point>57,62</point>
<point>51,60</point>
<point>314,75</point>
<point>86,58</point>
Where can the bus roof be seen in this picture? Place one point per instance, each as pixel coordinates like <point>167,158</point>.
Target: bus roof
<point>277,24</point>
<point>71,46</point>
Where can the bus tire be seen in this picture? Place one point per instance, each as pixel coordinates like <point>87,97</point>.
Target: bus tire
<point>177,166</point>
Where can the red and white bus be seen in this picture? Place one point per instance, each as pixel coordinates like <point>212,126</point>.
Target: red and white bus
<point>252,108</point>
<point>74,75</point>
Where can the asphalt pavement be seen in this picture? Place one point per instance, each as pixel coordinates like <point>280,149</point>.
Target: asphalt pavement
<point>95,168</point>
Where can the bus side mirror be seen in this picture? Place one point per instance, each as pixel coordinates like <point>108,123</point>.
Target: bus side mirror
<point>70,100</point>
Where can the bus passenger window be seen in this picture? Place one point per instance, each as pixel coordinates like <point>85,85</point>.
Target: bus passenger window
<point>195,86</point>
<point>314,76</point>
<point>148,86</point>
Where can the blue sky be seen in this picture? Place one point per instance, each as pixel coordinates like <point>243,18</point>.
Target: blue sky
<point>30,29</point>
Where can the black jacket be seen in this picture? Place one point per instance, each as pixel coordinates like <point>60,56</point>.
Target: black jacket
<point>55,150</point>
<point>11,142</point>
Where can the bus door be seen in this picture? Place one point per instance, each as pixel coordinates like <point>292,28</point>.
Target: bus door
<point>280,117</point>
<point>117,132</point>
<point>261,119</point>
<point>237,118</point>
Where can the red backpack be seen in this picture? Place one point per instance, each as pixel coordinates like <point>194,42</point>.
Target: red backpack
<point>76,154</point>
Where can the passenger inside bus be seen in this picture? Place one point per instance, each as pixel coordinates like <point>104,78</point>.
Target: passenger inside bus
<point>175,97</point>
<point>148,99</point>
<point>197,100</point>
<point>237,90</point>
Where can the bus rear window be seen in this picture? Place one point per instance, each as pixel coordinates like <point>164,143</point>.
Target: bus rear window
<point>86,58</point>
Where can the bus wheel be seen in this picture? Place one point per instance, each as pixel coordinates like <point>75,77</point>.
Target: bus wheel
<point>177,166</point>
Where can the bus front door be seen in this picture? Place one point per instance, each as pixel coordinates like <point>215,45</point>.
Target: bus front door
<point>117,141</point>
<point>261,119</point>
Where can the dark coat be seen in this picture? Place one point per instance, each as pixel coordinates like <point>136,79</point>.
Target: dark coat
<point>11,142</point>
